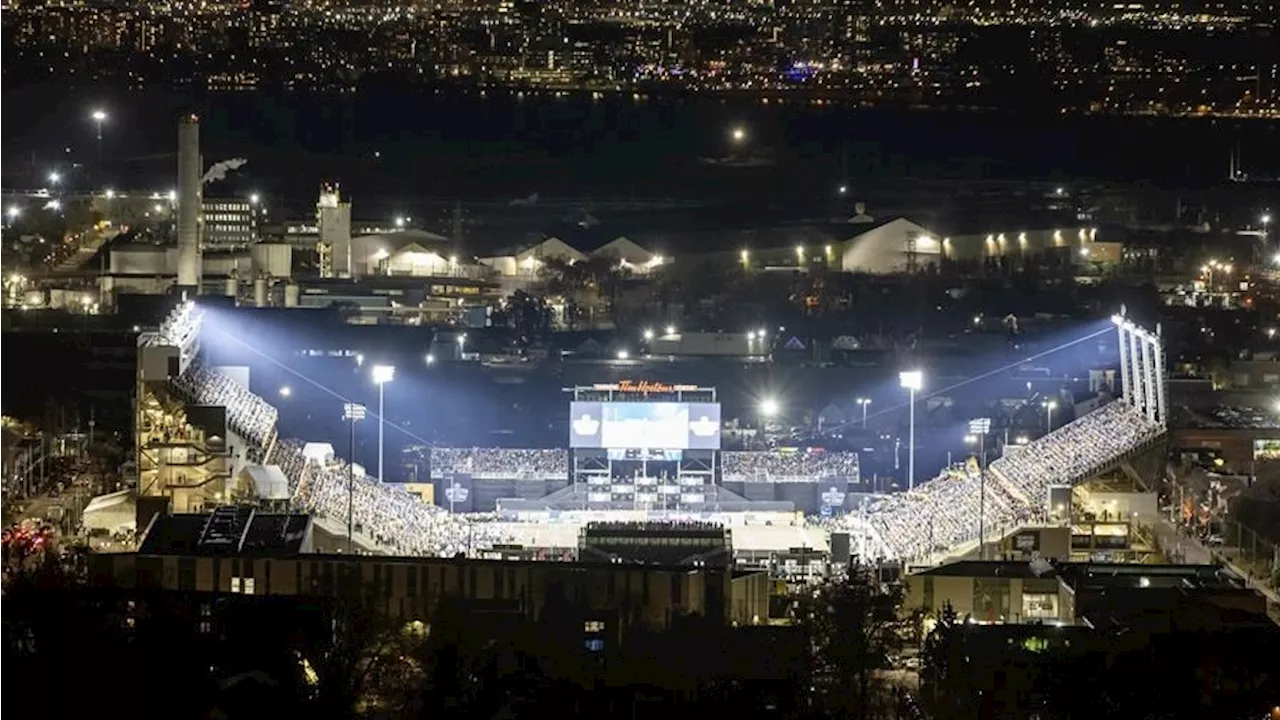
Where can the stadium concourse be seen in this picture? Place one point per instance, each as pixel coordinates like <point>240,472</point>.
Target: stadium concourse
<point>939,515</point>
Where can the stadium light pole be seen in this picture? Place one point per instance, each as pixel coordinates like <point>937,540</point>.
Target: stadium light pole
<point>978,429</point>
<point>1049,407</point>
<point>864,402</point>
<point>382,374</point>
<point>99,117</point>
<point>768,409</point>
<point>912,380</point>
<point>352,413</point>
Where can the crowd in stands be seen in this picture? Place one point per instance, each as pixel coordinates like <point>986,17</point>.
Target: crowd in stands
<point>248,415</point>
<point>502,463</point>
<point>1073,451</point>
<point>179,326</point>
<point>399,522</point>
<point>799,464</point>
<point>944,512</point>
<point>655,526</point>
<point>936,515</point>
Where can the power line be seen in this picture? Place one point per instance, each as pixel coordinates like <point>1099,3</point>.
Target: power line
<point>321,386</point>
<point>976,378</point>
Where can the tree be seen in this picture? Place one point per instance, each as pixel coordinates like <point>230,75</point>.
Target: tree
<point>942,666</point>
<point>527,316</point>
<point>359,663</point>
<point>589,288</point>
<point>852,626</point>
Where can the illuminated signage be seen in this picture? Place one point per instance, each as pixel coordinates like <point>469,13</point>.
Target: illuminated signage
<point>644,386</point>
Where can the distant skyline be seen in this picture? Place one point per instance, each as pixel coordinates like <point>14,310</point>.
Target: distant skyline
<point>1218,59</point>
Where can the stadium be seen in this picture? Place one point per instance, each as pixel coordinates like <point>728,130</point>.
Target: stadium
<point>636,454</point>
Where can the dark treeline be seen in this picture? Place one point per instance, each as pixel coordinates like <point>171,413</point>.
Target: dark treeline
<point>237,656</point>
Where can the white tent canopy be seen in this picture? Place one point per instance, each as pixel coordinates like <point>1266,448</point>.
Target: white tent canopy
<point>117,511</point>
<point>317,452</point>
<point>268,481</point>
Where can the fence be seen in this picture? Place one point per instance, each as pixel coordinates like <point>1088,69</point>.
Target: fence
<point>1241,545</point>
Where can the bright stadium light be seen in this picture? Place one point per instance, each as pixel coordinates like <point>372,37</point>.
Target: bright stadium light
<point>382,374</point>
<point>286,391</point>
<point>648,333</point>
<point>671,329</point>
<point>623,355</point>
<point>769,407</point>
<point>431,359</point>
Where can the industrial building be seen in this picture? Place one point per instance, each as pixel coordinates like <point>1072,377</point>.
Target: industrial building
<point>1091,595</point>
<point>240,551</point>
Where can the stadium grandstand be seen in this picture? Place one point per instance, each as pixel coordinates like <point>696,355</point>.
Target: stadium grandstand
<point>199,426</point>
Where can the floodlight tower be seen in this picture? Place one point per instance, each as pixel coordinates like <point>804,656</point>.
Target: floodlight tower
<point>978,430</point>
<point>352,413</point>
<point>912,380</point>
<point>382,374</point>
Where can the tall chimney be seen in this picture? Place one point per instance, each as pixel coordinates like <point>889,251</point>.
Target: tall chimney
<point>189,201</point>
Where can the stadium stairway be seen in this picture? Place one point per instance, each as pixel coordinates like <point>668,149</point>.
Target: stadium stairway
<point>338,530</point>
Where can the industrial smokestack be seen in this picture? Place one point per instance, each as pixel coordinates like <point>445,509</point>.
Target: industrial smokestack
<point>189,202</point>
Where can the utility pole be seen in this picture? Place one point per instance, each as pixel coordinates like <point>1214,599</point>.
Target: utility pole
<point>978,429</point>
<point>457,222</point>
<point>352,413</point>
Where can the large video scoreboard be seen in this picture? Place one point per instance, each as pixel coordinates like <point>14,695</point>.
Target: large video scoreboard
<point>645,416</point>
<point>645,425</point>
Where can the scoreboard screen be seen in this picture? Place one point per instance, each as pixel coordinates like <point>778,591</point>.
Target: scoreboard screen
<point>644,425</point>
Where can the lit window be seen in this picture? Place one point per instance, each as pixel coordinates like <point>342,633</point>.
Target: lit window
<point>593,626</point>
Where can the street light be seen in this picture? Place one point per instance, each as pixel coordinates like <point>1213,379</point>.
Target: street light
<point>864,402</point>
<point>648,334</point>
<point>738,134</point>
<point>978,429</point>
<point>352,413</point>
<point>99,117</point>
<point>382,374</point>
<point>912,380</point>
<point>54,177</point>
<point>1049,406</point>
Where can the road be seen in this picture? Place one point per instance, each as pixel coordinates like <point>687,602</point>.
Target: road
<point>1191,552</point>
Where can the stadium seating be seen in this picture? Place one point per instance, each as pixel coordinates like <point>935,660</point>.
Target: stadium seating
<point>943,512</point>
<point>936,515</point>
<point>396,520</point>
<point>1074,451</point>
<point>794,465</point>
<point>501,463</point>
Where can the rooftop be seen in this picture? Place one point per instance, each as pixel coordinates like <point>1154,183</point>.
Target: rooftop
<point>1099,575</point>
